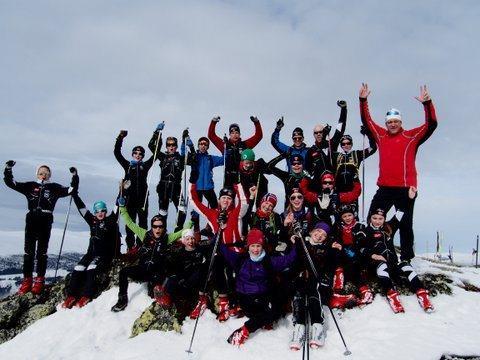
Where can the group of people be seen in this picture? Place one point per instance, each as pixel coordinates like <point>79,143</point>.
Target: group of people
<point>262,263</point>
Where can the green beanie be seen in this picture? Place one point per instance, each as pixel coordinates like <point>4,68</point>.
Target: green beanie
<point>248,154</point>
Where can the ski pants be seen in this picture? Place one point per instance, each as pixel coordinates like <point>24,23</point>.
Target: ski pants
<point>177,286</point>
<point>308,300</point>
<point>141,272</point>
<point>83,281</point>
<point>210,196</point>
<point>258,310</point>
<point>385,198</point>
<point>135,209</point>
<point>38,226</point>
<point>387,271</point>
<point>355,270</point>
<point>169,191</point>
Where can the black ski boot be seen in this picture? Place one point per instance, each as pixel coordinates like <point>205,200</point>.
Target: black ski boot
<point>121,303</point>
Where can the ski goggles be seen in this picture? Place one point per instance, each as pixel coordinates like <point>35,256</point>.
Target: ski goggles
<point>393,112</point>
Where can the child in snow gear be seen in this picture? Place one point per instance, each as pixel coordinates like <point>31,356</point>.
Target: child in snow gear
<point>252,173</point>
<point>397,172</point>
<point>375,245</point>
<point>42,195</point>
<point>136,171</point>
<point>102,248</point>
<point>232,147</point>
<point>254,271</point>
<point>151,254</point>
<point>297,148</point>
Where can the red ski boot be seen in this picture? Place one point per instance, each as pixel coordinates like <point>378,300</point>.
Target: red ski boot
<point>338,279</point>
<point>338,301</point>
<point>224,309</point>
<point>200,308</point>
<point>38,284</point>
<point>394,301</point>
<point>84,300</point>
<point>161,296</point>
<point>366,295</point>
<point>69,301</point>
<point>239,336</point>
<point>26,286</point>
<point>424,300</point>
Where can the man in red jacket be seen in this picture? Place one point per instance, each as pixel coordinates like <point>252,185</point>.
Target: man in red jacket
<point>397,180</point>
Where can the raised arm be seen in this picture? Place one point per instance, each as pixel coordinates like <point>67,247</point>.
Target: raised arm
<point>342,122</point>
<point>82,209</point>
<point>117,150</point>
<point>137,230</point>
<point>367,120</point>
<point>252,141</point>
<point>427,129</point>
<point>214,138</point>
<point>10,181</point>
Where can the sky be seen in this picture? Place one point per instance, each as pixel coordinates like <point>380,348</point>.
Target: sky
<point>75,73</point>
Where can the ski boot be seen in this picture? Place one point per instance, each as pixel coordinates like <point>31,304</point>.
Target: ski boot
<point>69,301</point>
<point>338,280</point>
<point>338,301</point>
<point>394,301</point>
<point>317,336</point>
<point>424,300</point>
<point>200,308</point>
<point>366,295</point>
<point>84,300</point>
<point>224,309</point>
<point>298,337</point>
<point>162,297</point>
<point>26,286</point>
<point>239,336</point>
<point>38,284</point>
<point>121,303</point>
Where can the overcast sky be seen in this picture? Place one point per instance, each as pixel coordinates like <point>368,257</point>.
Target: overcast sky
<point>74,73</point>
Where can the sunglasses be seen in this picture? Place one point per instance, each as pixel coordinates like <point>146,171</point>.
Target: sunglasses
<point>100,211</point>
<point>158,226</point>
<point>203,143</point>
<point>296,163</point>
<point>172,144</point>
<point>346,143</point>
<point>299,138</point>
<point>327,183</point>
<point>317,132</point>
<point>393,113</point>
<point>299,197</point>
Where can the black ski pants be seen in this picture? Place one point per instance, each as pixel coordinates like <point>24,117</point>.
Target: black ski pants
<point>84,277</point>
<point>140,272</point>
<point>308,300</point>
<point>38,226</point>
<point>388,271</point>
<point>385,198</point>
<point>135,209</point>
<point>258,310</point>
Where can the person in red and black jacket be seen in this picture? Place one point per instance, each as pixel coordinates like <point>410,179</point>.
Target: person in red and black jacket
<point>397,172</point>
<point>234,146</point>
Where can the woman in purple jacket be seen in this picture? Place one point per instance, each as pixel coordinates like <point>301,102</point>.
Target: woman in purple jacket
<point>254,272</point>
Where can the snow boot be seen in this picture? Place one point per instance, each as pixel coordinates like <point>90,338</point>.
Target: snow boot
<point>298,337</point>
<point>224,309</point>
<point>121,303</point>
<point>394,301</point>
<point>338,301</point>
<point>239,336</point>
<point>424,300</point>
<point>236,311</point>
<point>317,336</point>
<point>38,284</point>
<point>162,297</point>
<point>69,301</point>
<point>338,279</point>
<point>84,300</point>
<point>26,286</point>
<point>366,295</point>
<point>200,308</point>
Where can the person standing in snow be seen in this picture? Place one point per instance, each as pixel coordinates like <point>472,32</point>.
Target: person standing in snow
<point>297,148</point>
<point>136,172</point>
<point>397,172</point>
<point>42,195</point>
<point>252,173</point>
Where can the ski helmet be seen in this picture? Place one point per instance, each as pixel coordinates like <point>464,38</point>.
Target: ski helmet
<point>139,149</point>
<point>248,154</point>
<point>99,206</point>
<point>233,127</point>
<point>393,114</point>
<point>226,192</point>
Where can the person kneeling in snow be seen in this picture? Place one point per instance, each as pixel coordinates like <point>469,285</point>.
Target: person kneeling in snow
<point>103,246</point>
<point>253,283</point>
<point>376,246</point>
<point>151,255</point>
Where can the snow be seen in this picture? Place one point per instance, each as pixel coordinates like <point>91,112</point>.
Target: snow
<point>375,332</point>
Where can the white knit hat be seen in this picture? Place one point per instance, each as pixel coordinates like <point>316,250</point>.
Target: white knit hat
<point>393,114</point>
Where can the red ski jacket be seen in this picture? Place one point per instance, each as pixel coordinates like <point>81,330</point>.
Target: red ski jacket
<point>397,152</point>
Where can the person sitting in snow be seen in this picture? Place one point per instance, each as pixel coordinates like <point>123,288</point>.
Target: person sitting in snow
<point>254,271</point>
<point>42,195</point>
<point>103,246</point>
<point>151,255</point>
<point>376,247</point>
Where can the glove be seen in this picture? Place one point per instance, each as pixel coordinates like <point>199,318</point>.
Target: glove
<point>216,119</point>
<point>326,129</point>
<point>281,247</point>
<point>254,119</point>
<point>324,201</point>
<point>185,134</point>
<point>126,184</point>
<point>297,227</point>
<point>363,130</point>
<point>189,142</point>
<point>122,134</point>
<point>222,217</point>
<point>160,126</point>
<point>73,171</point>
<point>75,181</point>
<point>342,103</point>
<point>349,252</point>
<point>225,139</point>
<point>9,164</point>
<point>121,201</point>
<point>280,123</point>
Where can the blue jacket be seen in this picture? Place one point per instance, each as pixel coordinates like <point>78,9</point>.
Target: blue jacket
<point>205,164</point>
<point>284,148</point>
<point>252,278</point>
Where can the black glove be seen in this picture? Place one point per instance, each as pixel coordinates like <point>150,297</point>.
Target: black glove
<point>122,134</point>
<point>185,134</point>
<point>280,123</point>
<point>75,181</point>
<point>254,119</point>
<point>363,130</point>
<point>225,139</point>
<point>342,103</point>
<point>326,130</point>
<point>9,164</point>
<point>73,170</point>
<point>222,217</point>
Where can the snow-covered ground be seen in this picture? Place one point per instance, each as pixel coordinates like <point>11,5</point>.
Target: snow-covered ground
<point>94,332</point>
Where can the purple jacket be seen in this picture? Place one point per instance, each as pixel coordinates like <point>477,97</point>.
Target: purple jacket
<point>252,278</point>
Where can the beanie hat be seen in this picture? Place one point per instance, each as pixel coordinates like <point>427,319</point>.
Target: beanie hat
<point>234,127</point>
<point>346,137</point>
<point>203,138</point>
<point>173,139</point>
<point>346,209</point>
<point>271,198</point>
<point>226,192</point>
<point>328,176</point>
<point>99,206</point>
<point>139,149</point>
<point>393,114</point>
<point>322,226</point>
<point>157,218</point>
<point>255,236</point>
<point>297,132</point>
<point>187,233</point>
<point>379,211</point>
<point>248,154</point>
<point>296,158</point>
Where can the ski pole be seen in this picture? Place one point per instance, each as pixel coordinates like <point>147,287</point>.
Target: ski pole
<point>256,192</point>
<point>363,181</point>
<point>149,173</point>
<point>315,273</point>
<point>476,255</point>
<point>224,159</point>
<point>63,237</point>
<point>183,202</point>
<point>209,272</point>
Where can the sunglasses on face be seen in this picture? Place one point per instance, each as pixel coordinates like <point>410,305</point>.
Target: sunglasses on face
<point>346,143</point>
<point>172,144</point>
<point>203,143</point>
<point>389,113</point>
<point>327,183</point>
<point>297,138</point>
<point>317,132</point>
<point>296,163</point>
<point>158,226</point>
<point>101,211</point>
<point>299,197</point>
